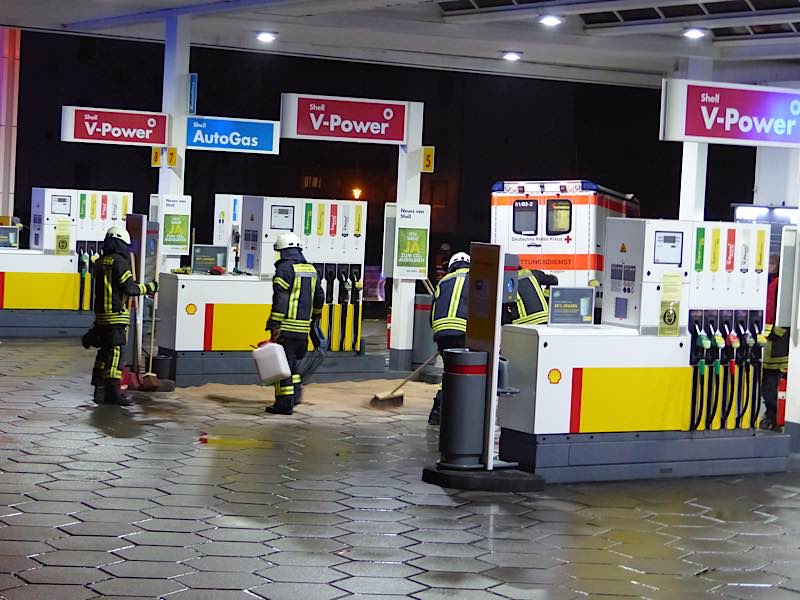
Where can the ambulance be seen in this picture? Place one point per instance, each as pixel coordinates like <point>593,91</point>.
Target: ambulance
<point>558,226</point>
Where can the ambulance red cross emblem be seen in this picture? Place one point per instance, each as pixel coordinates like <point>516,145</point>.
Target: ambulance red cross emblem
<point>568,239</point>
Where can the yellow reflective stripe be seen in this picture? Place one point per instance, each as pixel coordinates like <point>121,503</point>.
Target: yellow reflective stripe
<point>455,298</point>
<point>534,319</point>
<point>125,276</point>
<point>520,307</point>
<point>295,378</point>
<point>108,290</point>
<point>281,282</point>
<point>294,298</point>
<point>143,289</point>
<point>113,369</point>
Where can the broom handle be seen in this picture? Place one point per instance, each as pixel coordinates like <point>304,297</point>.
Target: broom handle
<point>133,301</point>
<point>155,308</point>
<point>415,373</point>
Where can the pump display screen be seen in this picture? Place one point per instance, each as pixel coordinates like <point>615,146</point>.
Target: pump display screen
<point>526,217</point>
<point>282,218</point>
<point>668,248</point>
<point>60,205</point>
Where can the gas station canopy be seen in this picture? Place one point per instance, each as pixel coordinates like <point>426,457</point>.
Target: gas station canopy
<point>628,42</point>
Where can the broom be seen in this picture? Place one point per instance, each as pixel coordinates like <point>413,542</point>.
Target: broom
<point>135,382</point>
<point>395,397</point>
<point>150,381</point>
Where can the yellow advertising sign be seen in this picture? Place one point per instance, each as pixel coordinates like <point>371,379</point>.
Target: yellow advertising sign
<point>428,159</point>
<point>62,237</point>
<point>155,156</point>
<point>760,242</point>
<point>320,219</point>
<point>715,248</point>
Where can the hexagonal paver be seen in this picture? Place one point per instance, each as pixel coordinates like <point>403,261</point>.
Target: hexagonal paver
<point>143,569</point>
<point>39,592</point>
<point>214,580</point>
<point>76,558</point>
<point>121,586</point>
<point>293,591</point>
<point>244,549</point>
<point>228,564</point>
<point>63,575</point>
<point>300,574</point>
<point>444,579</point>
<point>156,553</point>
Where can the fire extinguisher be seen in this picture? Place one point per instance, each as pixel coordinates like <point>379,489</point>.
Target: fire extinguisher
<point>781,416</point>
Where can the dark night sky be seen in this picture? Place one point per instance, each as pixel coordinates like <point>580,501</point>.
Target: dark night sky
<point>485,129</point>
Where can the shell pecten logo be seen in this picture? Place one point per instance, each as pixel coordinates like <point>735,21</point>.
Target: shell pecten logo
<point>191,309</point>
<point>554,376</point>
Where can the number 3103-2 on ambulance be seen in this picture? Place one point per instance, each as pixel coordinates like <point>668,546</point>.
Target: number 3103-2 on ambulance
<point>557,226</point>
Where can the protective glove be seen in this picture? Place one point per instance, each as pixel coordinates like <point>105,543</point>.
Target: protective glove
<point>152,287</point>
<point>274,330</point>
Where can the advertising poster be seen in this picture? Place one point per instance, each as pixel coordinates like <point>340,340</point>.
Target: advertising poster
<point>571,305</point>
<point>175,222</point>
<point>669,323</point>
<point>62,237</point>
<point>412,228</point>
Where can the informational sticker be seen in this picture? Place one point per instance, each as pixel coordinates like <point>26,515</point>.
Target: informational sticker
<point>699,249</point>
<point>669,320</point>
<point>308,217</point>
<point>62,237</point>
<point>82,207</point>
<point>730,250</point>
<point>320,219</point>
<point>571,305</point>
<point>760,250</point>
<point>715,248</point>
<point>93,207</point>
<point>746,238</point>
<point>359,221</point>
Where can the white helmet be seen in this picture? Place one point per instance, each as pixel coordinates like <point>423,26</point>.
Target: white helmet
<point>287,240</point>
<point>457,258</point>
<point>120,233</point>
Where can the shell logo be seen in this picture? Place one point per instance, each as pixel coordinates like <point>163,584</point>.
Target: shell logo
<point>554,376</point>
<point>191,309</point>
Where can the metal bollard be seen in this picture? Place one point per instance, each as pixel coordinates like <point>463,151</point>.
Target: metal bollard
<point>423,345</point>
<point>463,409</point>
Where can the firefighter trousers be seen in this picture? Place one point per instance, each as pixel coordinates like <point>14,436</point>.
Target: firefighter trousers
<point>111,354</point>
<point>288,391</point>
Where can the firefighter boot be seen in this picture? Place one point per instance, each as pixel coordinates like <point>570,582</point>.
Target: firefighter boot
<point>99,384</point>
<point>114,395</point>
<point>433,417</point>
<point>283,406</point>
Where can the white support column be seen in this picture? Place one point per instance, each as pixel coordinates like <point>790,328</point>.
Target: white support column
<point>409,175</point>
<point>695,155</point>
<point>692,205</point>
<point>9,104</point>
<point>177,40</point>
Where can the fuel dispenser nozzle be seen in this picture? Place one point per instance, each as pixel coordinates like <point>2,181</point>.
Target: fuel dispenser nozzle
<point>703,341</point>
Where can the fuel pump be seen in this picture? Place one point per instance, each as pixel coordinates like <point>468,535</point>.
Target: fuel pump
<point>743,365</point>
<point>756,357</point>
<point>83,269</point>
<point>732,345</point>
<point>355,306</point>
<point>701,344</point>
<point>339,320</point>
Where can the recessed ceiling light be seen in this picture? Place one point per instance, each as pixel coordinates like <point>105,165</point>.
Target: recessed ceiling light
<point>512,56</point>
<point>267,37</point>
<point>694,33</point>
<point>551,20</point>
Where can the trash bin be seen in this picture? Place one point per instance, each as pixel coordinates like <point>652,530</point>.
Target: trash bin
<point>461,433</point>
<point>423,344</point>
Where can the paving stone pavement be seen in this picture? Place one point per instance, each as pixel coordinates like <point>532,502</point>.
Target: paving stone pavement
<point>115,503</point>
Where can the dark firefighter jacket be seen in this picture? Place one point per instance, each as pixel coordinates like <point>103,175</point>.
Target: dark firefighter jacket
<point>449,314</point>
<point>114,284</point>
<point>297,295</point>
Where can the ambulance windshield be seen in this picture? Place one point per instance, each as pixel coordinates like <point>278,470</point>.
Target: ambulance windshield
<point>526,217</point>
<point>559,217</point>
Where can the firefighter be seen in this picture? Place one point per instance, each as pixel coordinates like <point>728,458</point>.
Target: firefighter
<point>531,304</point>
<point>546,281</point>
<point>297,300</point>
<point>113,285</point>
<point>449,315</point>
<point>776,352</point>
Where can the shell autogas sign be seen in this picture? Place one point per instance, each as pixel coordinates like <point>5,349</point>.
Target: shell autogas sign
<point>343,119</point>
<point>108,126</point>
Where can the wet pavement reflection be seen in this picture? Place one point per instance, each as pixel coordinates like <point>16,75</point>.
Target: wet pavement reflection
<point>191,497</point>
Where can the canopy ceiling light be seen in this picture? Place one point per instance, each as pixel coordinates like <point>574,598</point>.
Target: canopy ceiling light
<point>551,20</point>
<point>267,37</point>
<point>511,56</point>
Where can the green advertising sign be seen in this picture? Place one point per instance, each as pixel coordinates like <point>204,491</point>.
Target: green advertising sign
<point>309,212</point>
<point>700,249</point>
<point>176,230</point>
<point>412,248</point>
